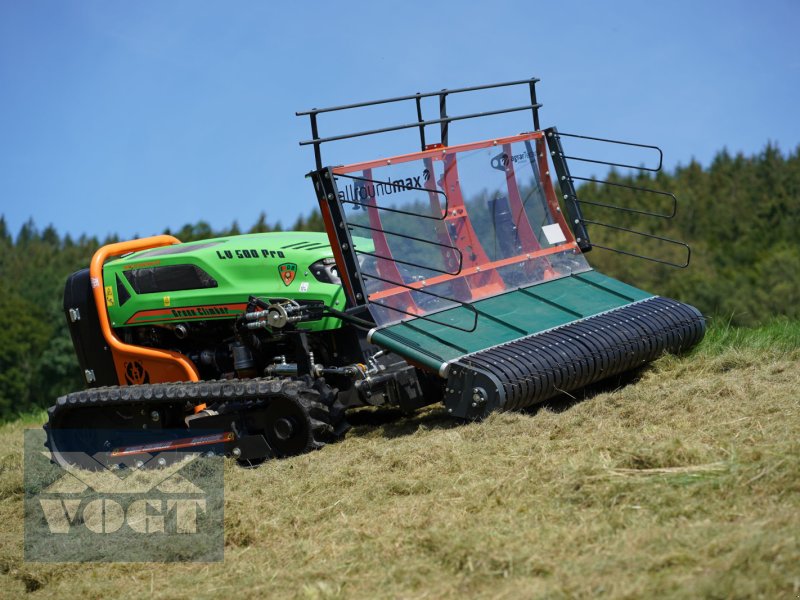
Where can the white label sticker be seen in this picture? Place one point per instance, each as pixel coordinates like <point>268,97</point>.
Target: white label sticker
<point>554,234</point>
<point>95,282</point>
<point>304,286</point>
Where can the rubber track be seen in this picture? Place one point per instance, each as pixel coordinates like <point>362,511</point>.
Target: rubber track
<point>191,392</point>
<point>326,414</point>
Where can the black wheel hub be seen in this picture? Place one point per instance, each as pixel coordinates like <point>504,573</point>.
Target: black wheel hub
<point>283,428</point>
<point>288,427</point>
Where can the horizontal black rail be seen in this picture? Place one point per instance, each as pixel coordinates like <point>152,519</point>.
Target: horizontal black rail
<point>442,217</point>
<point>567,183</point>
<point>465,305</point>
<point>621,143</point>
<point>671,214</point>
<point>345,136</point>
<point>473,88</point>
<point>443,121</point>
<point>346,316</point>
<point>410,264</point>
<point>351,225</point>
<point>643,234</point>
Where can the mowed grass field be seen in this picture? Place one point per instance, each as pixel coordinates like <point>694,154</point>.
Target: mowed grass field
<point>682,483</point>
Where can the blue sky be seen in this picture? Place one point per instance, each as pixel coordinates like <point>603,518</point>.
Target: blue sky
<point>131,117</point>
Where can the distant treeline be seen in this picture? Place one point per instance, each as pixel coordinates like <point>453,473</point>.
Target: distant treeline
<point>739,215</point>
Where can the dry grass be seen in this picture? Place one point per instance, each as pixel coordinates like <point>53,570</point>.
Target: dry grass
<point>685,483</point>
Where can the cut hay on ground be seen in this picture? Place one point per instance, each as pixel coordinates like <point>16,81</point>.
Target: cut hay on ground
<point>685,483</point>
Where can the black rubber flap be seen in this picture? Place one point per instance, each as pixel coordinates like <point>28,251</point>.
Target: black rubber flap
<point>532,369</point>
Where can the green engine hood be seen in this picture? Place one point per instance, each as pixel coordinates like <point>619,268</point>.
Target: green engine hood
<point>213,279</point>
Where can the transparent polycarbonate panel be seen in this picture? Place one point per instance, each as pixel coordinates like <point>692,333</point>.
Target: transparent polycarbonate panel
<point>457,225</point>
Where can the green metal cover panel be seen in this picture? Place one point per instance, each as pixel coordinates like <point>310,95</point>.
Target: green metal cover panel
<point>506,317</point>
<point>240,265</point>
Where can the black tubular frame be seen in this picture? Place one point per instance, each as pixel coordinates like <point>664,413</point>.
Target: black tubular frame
<point>341,231</point>
<point>647,235</point>
<point>328,196</point>
<point>618,142</point>
<point>416,239</point>
<point>375,206</point>
<point>396,210</point>
<point>673,208</point>
<point>427,317</point>
<point>573,204</point>
<point>443,121</point>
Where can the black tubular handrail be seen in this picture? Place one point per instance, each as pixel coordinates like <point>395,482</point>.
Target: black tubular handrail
<point>398,211</point>
<point>426,317</point>
<point>414,96</point>
<point>409,263</point>
<point>440,121</point>
<point>643,234</point>
<point>441,217</point>
<point>443,121</point>
<point>578,222</point>
<point>352,225</point>
<point>671,214</point>
<point>618,142</point>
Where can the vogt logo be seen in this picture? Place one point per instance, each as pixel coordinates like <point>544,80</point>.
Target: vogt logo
<point>149,514</point>
<point>141,511</point>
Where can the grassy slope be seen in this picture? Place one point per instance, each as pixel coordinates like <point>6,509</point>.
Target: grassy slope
<point>684,483</point>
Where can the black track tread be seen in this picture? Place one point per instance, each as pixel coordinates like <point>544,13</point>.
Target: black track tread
<point>319,401</point>
<point>535,368</point>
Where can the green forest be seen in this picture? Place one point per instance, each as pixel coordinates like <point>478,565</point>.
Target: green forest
<point>739,216</point>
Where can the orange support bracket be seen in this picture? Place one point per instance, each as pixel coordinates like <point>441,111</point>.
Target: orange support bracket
<point>137,364</point>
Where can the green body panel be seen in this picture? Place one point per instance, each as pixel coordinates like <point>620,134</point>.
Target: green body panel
<point>506,317</point>
<point>242,266</point>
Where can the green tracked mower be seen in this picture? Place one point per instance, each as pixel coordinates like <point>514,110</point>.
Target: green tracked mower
<point>453,274</point>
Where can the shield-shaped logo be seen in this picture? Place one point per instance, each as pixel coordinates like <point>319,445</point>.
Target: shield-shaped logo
<point>135,373</point>
<point>287,271</point>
